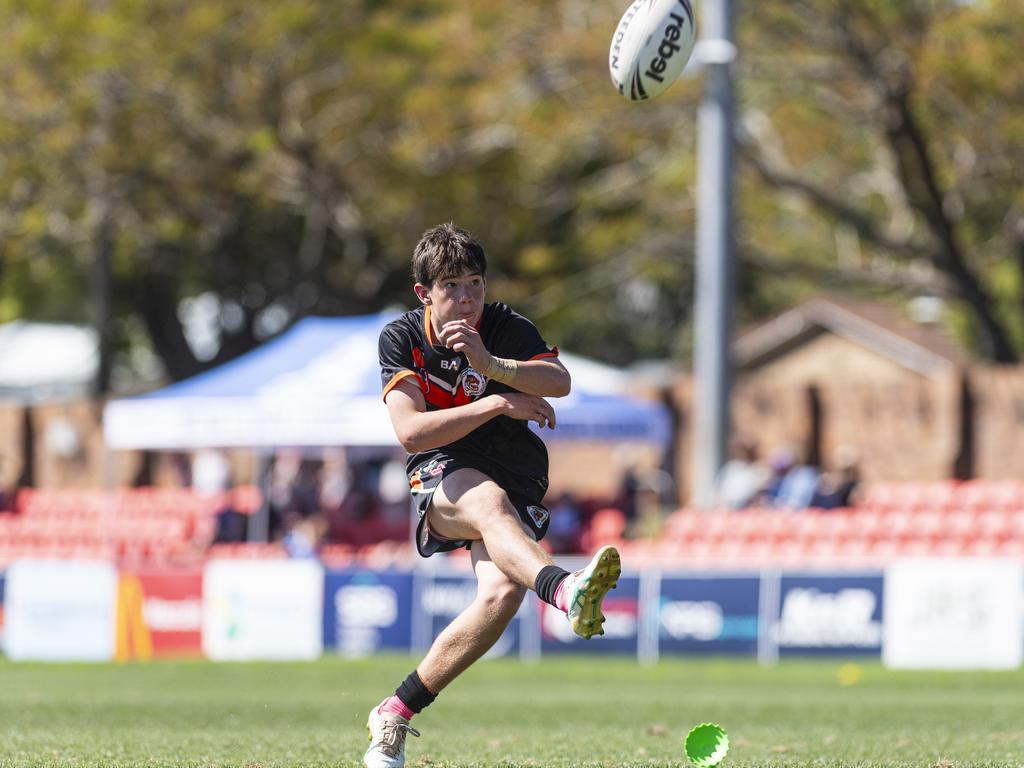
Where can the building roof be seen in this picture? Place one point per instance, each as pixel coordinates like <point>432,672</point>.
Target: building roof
<point>922,348</point>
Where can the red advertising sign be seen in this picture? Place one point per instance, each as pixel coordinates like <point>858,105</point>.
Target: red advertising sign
<point>159,613</point>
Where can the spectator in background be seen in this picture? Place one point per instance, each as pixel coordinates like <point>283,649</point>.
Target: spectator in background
<point>6,499</point>
<point>780,462</point>
<point>791,484</point>
<point>302,535</point>
<point>796,487</point>
<point>395,507</point>
<point>211,477</point>
<point>565,526</point>
<point>232,527</point>
<point>284,475</point>
<point>741,478</point>
<point>335,482</point>
<point>630,488</point>
<point>305,499</point>
<point>837,488</point>
<point>334,478</point>
<point>356,519</point>
<point>211,472</point>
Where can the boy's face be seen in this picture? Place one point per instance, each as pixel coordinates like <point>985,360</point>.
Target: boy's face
<point>454,298</point>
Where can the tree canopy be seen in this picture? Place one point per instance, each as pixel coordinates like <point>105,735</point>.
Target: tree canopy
<point>277,159</point>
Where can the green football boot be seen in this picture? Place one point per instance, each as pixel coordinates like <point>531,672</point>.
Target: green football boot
<point>587,589</point>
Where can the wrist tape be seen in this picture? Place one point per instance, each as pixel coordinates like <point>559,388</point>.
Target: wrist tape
<point>502,369</point>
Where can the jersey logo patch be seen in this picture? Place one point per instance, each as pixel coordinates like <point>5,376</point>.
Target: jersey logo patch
<point>473,383</point>
<point>539,515</point>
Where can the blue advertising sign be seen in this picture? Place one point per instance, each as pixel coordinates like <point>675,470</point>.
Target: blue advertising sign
<point>833,615</point>
<point>621,609</point>
<point>708,615</point>
<point>443,597</point>
<point>367,611</point>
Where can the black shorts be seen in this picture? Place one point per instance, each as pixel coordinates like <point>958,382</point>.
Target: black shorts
<point>524,493</point>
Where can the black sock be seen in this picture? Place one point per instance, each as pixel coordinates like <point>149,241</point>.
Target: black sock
<point>414,693</point>
<point>547,582</point>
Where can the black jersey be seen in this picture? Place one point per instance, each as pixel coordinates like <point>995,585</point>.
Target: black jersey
<point>407,348</point>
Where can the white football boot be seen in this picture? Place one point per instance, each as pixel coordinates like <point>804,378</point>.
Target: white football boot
<point>587,589</point>
<point>387,739</point>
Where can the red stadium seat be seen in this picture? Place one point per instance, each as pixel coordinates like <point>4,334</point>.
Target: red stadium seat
<point>680,525</point>
<point>994,524</point>
<point>928,524</point>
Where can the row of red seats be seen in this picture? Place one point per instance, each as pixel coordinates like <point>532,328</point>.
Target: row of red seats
<point>138,524</point>
<point>851,553</point>
<point>131,528</point>
<point>868,535</point>
<point>944,495</point>
<point>894,521</point>
<point>149,552</point>
<point>811,525</point>
<point>131,503</point>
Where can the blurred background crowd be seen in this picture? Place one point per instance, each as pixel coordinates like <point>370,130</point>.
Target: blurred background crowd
<point>181,184</point>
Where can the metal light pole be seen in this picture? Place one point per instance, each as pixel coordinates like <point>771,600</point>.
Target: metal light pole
<point>715,270</point>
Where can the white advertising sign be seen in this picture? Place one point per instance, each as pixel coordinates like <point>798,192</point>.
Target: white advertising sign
<point>813,618</point>
<point>262,609</point>
<point>60,611</point>
<point>954,614</point>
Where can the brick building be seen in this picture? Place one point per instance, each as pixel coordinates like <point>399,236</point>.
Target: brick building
<point>836,373</point>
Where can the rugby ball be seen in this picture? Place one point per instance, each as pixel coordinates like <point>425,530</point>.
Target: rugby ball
<point>651,46</point>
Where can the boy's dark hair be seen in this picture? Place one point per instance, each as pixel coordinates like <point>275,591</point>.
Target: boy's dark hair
<point>447,251</point>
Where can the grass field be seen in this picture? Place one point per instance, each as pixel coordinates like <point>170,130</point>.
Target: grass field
<point>561,712</point>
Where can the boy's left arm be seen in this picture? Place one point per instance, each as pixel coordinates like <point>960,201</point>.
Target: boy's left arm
<point>545,377</point>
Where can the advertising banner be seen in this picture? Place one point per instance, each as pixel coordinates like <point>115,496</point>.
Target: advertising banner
<point>367,611</point>
<point>443,597</point>
<point>829,615</point>
<point>621,627</point>
<point>717,615</point>
<point>954,614</point>
<point>159,613</point>
<point>60,611</point>
<point>263,609</point>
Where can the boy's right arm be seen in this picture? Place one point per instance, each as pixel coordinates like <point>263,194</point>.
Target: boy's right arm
<point>419,429</point>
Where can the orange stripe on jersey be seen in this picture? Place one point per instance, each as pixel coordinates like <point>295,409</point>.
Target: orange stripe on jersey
<point>397,378</point>
<point>552,353</point>
<point>428,329</point>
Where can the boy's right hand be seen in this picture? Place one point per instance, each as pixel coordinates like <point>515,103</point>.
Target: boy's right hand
<point>527,408</point>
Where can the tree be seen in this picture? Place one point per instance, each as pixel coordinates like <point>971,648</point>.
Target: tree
<point>277,159</point>
<point>895,136</point>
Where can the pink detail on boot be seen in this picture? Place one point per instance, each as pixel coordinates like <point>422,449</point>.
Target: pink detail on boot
<point>396,706</point>
<point>561,598</point>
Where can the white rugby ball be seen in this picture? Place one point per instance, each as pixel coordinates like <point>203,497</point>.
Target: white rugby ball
<point>651,46</point>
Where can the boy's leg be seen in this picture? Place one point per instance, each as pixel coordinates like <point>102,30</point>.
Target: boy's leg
<point>472,633</point>
<point>462,642</point>
<point>469,505</point>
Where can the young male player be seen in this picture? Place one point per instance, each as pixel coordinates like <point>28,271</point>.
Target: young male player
<point>462,381</point>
